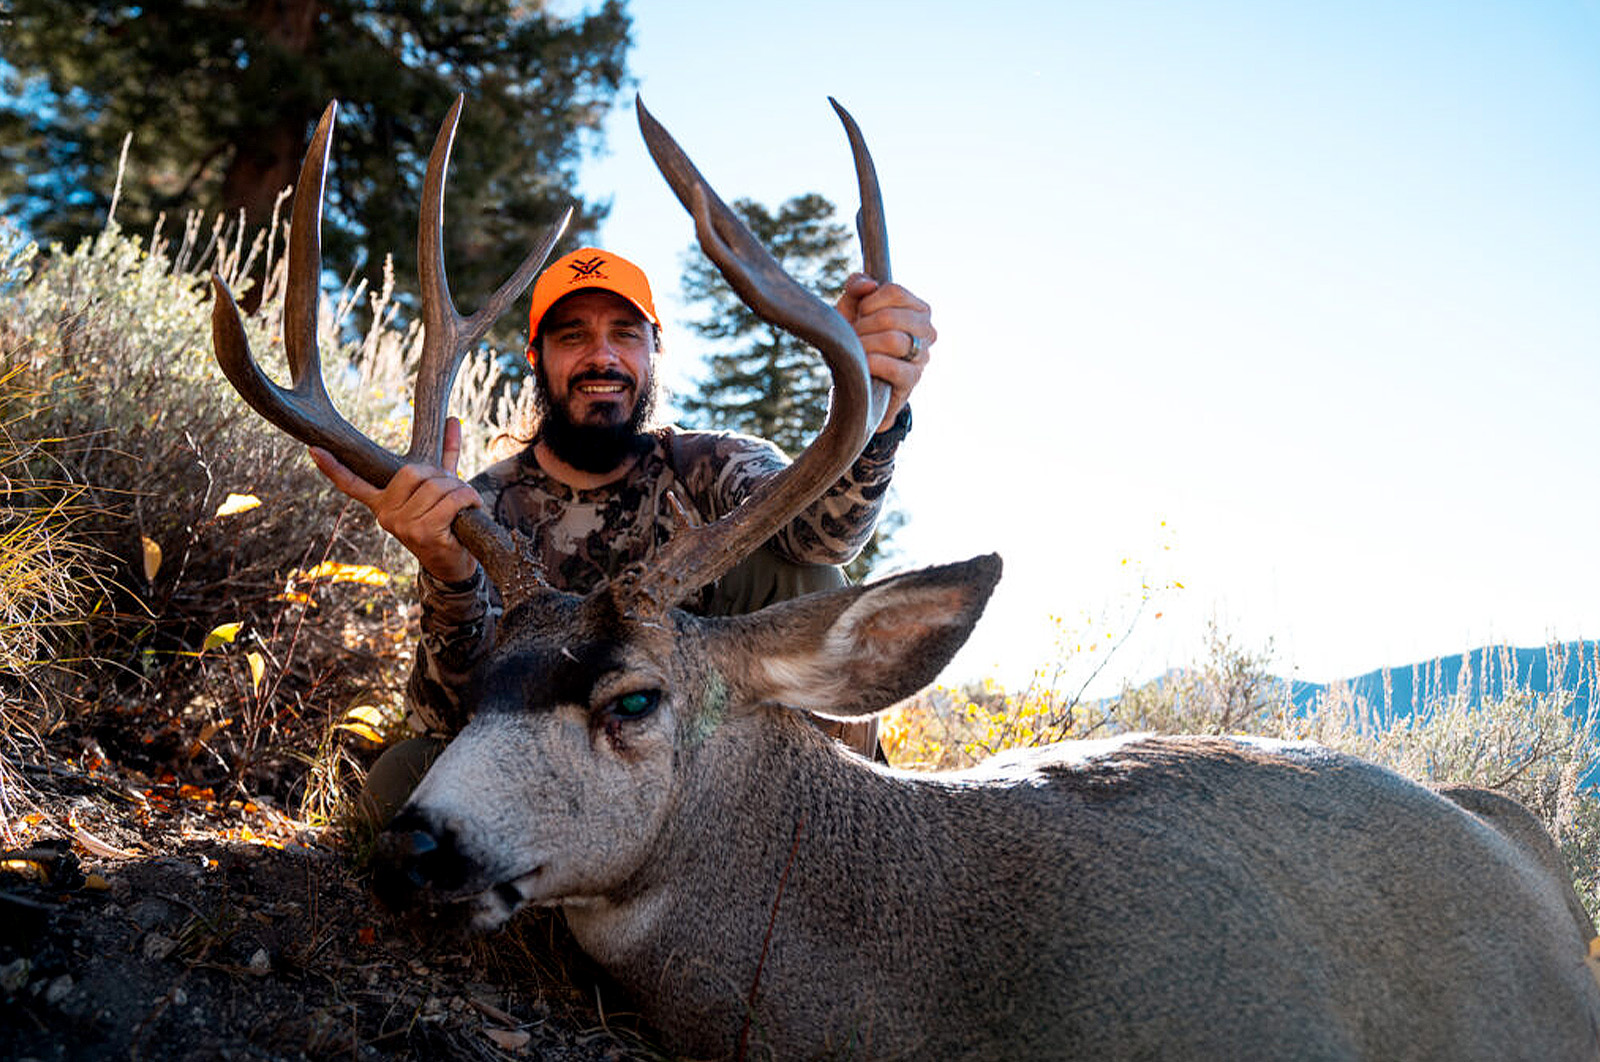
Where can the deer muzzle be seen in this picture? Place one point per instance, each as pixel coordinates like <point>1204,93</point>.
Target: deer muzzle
<point>417,863</point>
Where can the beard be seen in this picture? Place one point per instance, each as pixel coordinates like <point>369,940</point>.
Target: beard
<point>604,442</point>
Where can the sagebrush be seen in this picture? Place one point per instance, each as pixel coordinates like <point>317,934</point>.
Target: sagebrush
<point>244,605</point>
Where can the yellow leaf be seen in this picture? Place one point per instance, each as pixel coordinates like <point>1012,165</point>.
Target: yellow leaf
<point>152,558</point>
<point>365,713</point>
<point>258,667</point>
<point>238,503</point>
<point>339,572</point>
<point>294,597</point>
<point>30,869</point>
<point>225,633</point>
<point>363,730</point>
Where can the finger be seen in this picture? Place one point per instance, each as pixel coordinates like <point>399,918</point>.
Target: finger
<point>452,445</point>
<point>891,334</point>
<point>875,316</point>
<point>892,296</point>
<point>901,376</point>
<point>414,494</point>
<point>346,481</point>
<point>857,286</point>
<point>887,320</point>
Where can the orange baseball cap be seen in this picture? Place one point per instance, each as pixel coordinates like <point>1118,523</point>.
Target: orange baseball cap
<point>589,267</point>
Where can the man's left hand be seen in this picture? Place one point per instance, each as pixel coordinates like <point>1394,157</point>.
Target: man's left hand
<point>896,330</point>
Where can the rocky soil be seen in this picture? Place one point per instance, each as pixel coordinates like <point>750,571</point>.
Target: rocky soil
<point>142,920</point>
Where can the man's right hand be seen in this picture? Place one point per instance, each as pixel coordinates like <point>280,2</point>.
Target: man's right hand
<point>418,506</point>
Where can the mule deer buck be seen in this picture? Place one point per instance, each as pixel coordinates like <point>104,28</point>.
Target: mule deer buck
<point>759,889</point>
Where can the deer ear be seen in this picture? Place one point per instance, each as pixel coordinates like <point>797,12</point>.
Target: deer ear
<point>857,651</point>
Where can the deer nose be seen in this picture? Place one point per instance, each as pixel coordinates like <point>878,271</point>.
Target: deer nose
<point>415,857</point>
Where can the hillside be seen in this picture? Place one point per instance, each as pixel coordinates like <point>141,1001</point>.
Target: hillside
<point>1485,673</point>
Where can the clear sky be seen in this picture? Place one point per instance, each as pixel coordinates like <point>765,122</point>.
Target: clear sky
<point>1296,304</point>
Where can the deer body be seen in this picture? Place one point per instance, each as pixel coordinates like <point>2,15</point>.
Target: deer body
<point>1154,897</point>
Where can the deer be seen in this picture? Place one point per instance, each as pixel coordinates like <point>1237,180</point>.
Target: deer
<point>762,892</point>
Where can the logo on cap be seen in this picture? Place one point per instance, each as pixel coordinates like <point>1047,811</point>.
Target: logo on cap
<point>587,269</point>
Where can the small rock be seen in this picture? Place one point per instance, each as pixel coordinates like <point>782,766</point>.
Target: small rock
<point>149,913</point>
<point>179,997</point>
<point>15,975</point>
<point>158,947</point>
<point>58,990</point>
<point>508,1039</point>
<point>261,963</point>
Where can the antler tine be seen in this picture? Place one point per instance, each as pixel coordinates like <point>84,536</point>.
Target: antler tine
<point>447,335</point>
<point>870,227</point>
<point>304,410</point>
<point>871,230</point>
<point>739,256</point>
<point>696,556</point>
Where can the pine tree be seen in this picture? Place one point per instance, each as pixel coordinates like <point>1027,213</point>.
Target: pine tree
<point>761,380</point>
<point>221,97</point>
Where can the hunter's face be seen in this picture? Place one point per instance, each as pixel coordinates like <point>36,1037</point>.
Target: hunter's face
<point>595,356</point>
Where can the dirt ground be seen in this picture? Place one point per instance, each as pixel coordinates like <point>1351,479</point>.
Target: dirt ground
<point>143,920</point>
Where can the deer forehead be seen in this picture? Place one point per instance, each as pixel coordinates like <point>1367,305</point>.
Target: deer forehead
<point>555,656</point>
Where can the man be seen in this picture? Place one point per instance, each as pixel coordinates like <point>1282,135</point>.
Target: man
<point>597,488</point>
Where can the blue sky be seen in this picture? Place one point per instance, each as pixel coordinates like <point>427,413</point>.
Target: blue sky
<point>1295,304</point>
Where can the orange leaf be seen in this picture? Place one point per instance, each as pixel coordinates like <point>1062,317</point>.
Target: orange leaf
<point>152,557</point>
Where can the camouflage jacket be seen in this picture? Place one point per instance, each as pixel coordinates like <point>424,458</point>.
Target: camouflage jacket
<point>585,537</point>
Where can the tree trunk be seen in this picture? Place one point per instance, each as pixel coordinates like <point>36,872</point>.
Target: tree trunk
<point>268,161</point>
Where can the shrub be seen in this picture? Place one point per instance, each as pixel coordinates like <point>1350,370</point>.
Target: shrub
<point>249,606</point>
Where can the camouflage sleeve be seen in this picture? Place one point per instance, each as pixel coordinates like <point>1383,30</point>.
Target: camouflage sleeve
<point>458,627</point>
<point>834,528</point>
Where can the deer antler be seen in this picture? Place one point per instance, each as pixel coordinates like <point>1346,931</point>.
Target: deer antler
<point>304,410</point>
<point>695,556</point>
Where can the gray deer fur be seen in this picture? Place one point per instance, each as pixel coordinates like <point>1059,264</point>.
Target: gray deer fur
<point>1149,898</point>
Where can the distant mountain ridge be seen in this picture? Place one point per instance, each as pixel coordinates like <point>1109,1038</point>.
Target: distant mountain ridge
<point>1490,671</point>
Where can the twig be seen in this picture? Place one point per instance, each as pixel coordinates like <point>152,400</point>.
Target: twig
<point>766,943</point>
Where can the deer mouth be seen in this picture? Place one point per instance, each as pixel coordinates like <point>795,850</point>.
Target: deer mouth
<point>496,904</point>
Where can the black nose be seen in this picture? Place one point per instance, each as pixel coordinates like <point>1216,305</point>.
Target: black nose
<point>415,857</point>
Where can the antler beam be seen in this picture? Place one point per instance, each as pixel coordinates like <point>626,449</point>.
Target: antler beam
<point>305,411</point>
<point>696,556</point>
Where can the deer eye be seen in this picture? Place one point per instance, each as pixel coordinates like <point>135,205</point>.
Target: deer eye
<point>634,705</point>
